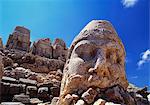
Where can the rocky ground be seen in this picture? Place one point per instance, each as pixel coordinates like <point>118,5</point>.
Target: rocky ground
<point>31,75</point>
<point>29,78</point>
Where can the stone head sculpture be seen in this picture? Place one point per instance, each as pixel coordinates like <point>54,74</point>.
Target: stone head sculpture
<point>96,59</point>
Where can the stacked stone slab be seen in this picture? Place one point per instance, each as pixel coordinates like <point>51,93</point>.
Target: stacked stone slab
<point>29,85</point>
<point>19,39</point>
<point>43,48</point>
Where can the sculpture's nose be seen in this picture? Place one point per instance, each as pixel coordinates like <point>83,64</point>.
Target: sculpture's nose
<point>99,62</point>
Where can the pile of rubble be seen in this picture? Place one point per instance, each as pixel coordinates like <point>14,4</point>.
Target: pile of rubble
<point>33,74</point>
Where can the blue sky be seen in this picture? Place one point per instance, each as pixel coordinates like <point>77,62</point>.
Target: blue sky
<point>66,18</point>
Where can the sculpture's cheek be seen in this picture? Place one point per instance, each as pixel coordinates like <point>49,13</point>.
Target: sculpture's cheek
<point>116,70</point>
<point>117,74</point>
<point>78,66</point>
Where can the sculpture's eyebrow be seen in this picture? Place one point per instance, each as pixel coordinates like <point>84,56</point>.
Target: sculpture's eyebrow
<point>98,44</point>
<point>83,43</point>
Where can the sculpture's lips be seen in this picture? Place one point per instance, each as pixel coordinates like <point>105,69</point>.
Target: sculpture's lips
<point>99,82</point>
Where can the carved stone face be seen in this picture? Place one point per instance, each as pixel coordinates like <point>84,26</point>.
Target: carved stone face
<point>96,60</point>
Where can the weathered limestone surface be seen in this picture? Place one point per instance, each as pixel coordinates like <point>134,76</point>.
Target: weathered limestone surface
<point>19,39</point>
<point>34,62</point>
<point>43,65</point>
<point>96,59</point>
<point>42,48</point>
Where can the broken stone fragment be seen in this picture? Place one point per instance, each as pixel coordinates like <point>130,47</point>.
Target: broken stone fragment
<point>80,102</point>
<point>75,97</point>
<point>12,103</point>
<point>111,103</point>
<point>67,100</point>
<point>35,101</point>
<point>31,91</point>
<point>28,81</point>
<point>148,97</point>
<point>43,94</point>
<point>9,79</point>
<point>117,94</point>
<point>113,94</point>
<point>99,102</point>
<point>7,61</point>
<point>89,95</point>
<point>25,99</point>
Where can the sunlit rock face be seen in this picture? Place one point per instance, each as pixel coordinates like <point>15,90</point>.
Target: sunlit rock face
<point>19,39</point>
<point>42,47</point>
<point>96,59</point>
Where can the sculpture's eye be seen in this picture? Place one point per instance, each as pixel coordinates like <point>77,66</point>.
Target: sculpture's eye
<point>86,52</point>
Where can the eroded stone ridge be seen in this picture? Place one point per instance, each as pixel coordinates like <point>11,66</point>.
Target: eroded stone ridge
<point>19,39</point>
<point>96,59</point>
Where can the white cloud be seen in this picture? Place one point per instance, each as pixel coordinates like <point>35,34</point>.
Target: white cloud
<point>145,57</point>
<point>134,77</point>
<point>129,3</point>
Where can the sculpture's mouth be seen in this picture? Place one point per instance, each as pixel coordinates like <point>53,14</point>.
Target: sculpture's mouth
<point>100,77</point>
<point>99,81</point>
